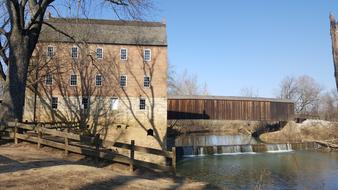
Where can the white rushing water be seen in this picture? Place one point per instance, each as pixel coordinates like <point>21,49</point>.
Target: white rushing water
<point>213,140</point>
<point>200,145</point>
<point>275,148</point>
<point>235,149</point>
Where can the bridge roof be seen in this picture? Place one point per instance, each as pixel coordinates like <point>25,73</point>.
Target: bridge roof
<point>194,97</point>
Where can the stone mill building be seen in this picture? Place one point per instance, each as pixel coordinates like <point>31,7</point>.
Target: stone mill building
<point>109,76</point>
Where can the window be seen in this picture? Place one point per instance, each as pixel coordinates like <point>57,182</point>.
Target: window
<point>114,103</point>
<point>147,55</point>
<point>99,53</point>
<point>98,80</point>
<point>73,80</point>
<point>123,81</point>
<point>50,51</point>
<point>49,79</point>
<point>124,54</point>
<point>74,52</point>
<point>150,132</point>
<point>85,103</point>
<point>146,82</point>
<point>54,103</point>
<point>142,104</point>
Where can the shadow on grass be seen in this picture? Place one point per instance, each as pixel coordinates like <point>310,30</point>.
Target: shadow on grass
<point>129,181</point>
<point>8,165</point>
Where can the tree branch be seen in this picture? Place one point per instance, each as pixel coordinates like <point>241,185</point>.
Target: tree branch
<point>2,72</point>
<point>2,28</point>
<point>2,31</point>
<point>36,11</point>
<point>3,53</point>
<point>118,2</point>
<point>13,9</point>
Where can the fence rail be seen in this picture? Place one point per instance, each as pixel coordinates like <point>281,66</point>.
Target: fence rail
<point>91,146</point>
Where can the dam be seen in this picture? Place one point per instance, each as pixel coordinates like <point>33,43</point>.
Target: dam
<point>208,125</point>
<point>215,142</point>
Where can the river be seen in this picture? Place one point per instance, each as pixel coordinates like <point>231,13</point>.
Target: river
<point>280,170</point>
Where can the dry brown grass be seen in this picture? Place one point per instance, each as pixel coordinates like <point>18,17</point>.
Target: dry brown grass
<point>23,166</point>
<point>310,130</point>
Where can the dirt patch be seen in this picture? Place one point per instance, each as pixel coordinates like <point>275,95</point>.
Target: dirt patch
<point>23,166</point>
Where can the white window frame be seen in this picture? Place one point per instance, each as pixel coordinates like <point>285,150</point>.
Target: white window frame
<point>47,81</point>
<point>126,54</point>
<point>144,81</point>
<point>77,52</point>
<point>125,82</point>
<point>98,75</point>
<point>144,55</point>
<point>53,51</point>
<point>114,103</point>
<point>145,104</point>
<point>101,53</point>
<point>70,80</point>
<point>55,103</point>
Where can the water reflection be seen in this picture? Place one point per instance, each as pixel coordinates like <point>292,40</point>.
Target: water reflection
<point>292,170</point>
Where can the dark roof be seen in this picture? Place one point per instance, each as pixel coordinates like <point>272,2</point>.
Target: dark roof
<point>227,98</point>
<point>105,31</point>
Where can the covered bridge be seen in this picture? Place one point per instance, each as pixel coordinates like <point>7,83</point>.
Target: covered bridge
<point>229,108</point>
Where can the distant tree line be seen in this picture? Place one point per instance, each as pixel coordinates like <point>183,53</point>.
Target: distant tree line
<point>310,97</point>
<point>185,83</point>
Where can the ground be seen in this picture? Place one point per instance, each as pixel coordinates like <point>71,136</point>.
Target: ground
<point>23,166</point>
<point>309,130</point>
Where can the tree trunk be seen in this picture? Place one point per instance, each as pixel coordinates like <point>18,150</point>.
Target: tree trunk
<point>15,85</point>
<point>333,31</point>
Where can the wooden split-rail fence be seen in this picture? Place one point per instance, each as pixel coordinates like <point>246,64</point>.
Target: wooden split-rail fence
<point>91,146</point>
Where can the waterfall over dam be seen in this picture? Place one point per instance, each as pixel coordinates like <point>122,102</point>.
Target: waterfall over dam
<point>201,145</point>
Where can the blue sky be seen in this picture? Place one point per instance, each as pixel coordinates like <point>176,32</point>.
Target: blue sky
<point>236,44</point>
<point>250,43</point>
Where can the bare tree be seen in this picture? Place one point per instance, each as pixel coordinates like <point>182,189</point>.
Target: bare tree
<point>333,31</point>
<point>288,88</point>
<point>185,84</point>
<point>249,92</point>
<point>20,26</point>
<point>304,91</point>
<point>171,79</point>
<point>328,109</point>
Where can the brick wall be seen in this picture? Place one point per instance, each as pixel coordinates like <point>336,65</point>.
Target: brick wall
<point>124,124</point>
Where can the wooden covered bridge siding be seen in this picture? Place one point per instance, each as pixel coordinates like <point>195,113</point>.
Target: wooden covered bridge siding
<point>229,108</point>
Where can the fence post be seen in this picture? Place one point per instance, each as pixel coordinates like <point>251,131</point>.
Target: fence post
<point>66,142</point>
<point>132,155</point>
<point>97,147</point>
<point>39,137</point>
<point>15,132</point>
<point>174,159</point>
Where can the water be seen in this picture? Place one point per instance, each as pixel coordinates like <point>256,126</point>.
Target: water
<point>288,170</point>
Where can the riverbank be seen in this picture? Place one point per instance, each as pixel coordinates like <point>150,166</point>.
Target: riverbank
<point>308,131</point>
<point>23,166</point>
